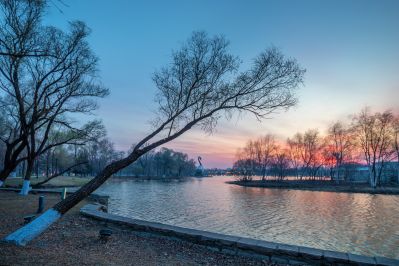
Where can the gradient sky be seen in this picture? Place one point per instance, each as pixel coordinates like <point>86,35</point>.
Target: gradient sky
<point>349,48</point>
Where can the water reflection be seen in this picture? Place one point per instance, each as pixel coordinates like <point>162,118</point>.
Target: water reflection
<point>357,223</point>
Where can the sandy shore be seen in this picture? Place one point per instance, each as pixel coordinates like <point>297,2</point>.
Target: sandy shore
<point>319,186</point>
<point>74,241</point>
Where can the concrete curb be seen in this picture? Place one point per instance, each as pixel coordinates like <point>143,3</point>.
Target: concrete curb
<point>274,252</point>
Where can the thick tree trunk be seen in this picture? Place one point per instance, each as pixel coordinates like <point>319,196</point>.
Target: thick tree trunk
<point>26,184</point>
<point>11,159</point>
<point>9,165</point>
<point>5,173</point>
<point>73,199</point>
<point>373,178</point>
<point>28,232</point>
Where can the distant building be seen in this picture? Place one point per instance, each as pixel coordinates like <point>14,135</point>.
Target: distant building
<point>356,172</point>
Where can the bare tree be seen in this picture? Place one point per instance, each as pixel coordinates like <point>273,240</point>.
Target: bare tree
<point>374,135</point>
<point>19,22</point>
<point>196,90</point>
<point>243,166</point>
<point>294,152</point>
<point>338,146</point>
<point>265,147</point>
<point>247,159</point>
<point>249,153</point>
<point>42,90</point>
<point>310,147</point>
<point>280,162</point>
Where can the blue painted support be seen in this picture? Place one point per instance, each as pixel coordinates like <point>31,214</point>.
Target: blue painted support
<point>28,232</point>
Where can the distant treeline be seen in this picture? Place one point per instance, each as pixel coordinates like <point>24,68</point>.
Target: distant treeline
<point>162,163</point>
<point>367,149</point>
<point>93,156</point>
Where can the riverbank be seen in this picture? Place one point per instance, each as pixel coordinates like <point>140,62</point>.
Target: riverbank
<point>319,186</point>
<point>230,244</point>
<point>74,241</point>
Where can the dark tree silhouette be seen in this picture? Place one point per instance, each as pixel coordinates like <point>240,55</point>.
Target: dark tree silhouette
<point>39,89</point>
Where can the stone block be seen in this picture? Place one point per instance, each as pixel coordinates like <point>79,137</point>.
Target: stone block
<point>361,260</point>
<point>227,240</point>
<point>386,261</point>
<point>311,253</point>
<point>247,243</point>
<point>335,257</point>
<point>289,250</point>
<point>266,247</point>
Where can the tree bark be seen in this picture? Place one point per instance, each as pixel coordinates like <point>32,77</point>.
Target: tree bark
<point>5,173</point>
<point>26,184</point>
<point>28,232</point>
<point>11,160</point>
<point>73,199</point>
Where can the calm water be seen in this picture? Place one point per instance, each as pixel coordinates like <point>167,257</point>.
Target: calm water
<point>357,223</point>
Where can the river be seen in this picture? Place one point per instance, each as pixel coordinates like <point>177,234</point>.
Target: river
<point>349,222</point>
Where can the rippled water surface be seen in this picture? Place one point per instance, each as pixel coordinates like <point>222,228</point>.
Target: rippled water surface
<point>358,223</point>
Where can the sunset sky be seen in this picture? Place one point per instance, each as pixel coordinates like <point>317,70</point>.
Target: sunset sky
<point>349,48</point>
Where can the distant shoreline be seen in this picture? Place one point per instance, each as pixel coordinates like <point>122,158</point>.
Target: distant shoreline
<point>326,186</point>
<point>168,178</point>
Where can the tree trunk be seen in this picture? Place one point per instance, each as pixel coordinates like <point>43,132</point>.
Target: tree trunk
<point>73,199</point>
<point>9,165</point>
<point>37,226</point>
<point>26,184</point>
<point>373,177</point>
<point>47,163</point>
<point>11,159</point>
<point>5,173</point>
<point>263,173</point>
<point>37,168</point>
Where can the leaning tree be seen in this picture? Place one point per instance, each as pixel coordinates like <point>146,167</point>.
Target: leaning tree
<point>200,86</point>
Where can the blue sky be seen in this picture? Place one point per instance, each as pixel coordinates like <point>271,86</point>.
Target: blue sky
<point>349,48</point>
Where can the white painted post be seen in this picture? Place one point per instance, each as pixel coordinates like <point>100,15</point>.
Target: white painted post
<point>63,193</point>
<point>1,183</point>
<point>25,188</point>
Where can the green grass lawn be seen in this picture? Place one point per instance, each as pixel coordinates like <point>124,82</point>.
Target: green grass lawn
<point>60,181</point>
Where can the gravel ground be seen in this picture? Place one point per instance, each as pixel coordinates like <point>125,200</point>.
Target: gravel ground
<point>74,241</point>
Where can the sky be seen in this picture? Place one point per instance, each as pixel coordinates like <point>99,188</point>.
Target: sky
<point>349,49</point>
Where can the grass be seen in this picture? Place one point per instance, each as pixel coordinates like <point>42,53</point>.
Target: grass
<point>60,181</point>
